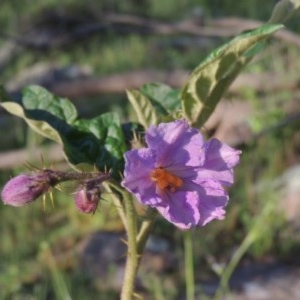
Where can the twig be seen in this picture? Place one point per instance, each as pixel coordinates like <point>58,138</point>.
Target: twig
<point>120,24</point>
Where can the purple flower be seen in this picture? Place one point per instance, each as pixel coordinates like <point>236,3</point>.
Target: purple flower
<point>180,174</point>
<point>24,189</point>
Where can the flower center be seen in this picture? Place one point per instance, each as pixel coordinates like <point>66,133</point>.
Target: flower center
<point>165,180</point>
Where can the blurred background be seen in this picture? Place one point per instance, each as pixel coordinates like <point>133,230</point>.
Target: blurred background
<point>90,52</point>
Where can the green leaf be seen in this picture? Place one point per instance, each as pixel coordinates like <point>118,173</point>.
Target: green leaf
<point>111,146</point>
<point>46,129</point>
<point>97,142</point>
<point>210,80</point>
<point>145,112</point>
<point>164,98</point>
<point>154,102</point>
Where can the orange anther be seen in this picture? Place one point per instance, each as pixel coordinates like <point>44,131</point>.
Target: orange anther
<point>166,180</point>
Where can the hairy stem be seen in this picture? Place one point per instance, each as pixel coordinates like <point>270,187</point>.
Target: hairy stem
<point>132,261</point>
<point>119,205</point>
<point>136,245</point>
<point>145,229</point>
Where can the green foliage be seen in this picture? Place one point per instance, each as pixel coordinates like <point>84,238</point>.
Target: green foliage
<point>164,98</point>
<point>210,80</point>
<point>143,108</point>
<point>205,86</point>
<point>154,102</point>
<point>97,142</point>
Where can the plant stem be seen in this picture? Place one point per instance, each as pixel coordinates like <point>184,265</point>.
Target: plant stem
<point>144,232</point>
<point>116,200</point>
<point>136,245</point>
<point>145,229</point>
<point>61,176</point>
<point>189,265</point>
<point>132,260</point>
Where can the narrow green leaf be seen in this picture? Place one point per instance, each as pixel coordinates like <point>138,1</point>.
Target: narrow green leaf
<point>145,112</point>
<point>210,80</point>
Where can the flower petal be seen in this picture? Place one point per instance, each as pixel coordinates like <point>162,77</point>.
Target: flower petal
<point>213,199</point>
<point>220,156</point>
<point>219,162</point>
<point>138,167</point>
<point>175,143</point>
<point>181,209</point>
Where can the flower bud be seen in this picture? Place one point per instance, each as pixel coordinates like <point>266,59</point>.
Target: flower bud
<point>88,195</point>
<point>24,189</point>
<point>86,200</point>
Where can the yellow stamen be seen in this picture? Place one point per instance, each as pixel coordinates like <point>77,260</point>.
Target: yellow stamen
<point>165,180</point>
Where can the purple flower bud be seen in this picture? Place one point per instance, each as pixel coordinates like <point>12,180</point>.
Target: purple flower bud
<point>24,189</point>
<point>86,200</point>
<point>88,195</point>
